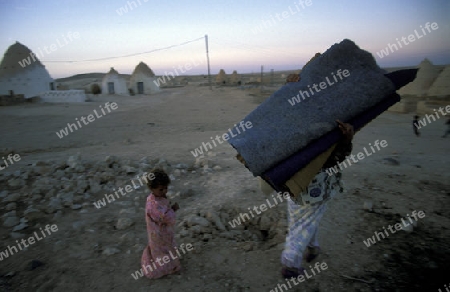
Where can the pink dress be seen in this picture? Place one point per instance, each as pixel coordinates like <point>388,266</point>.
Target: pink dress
<point>159,257</point>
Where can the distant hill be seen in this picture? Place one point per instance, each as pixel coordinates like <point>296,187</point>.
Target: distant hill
<point>87,76</point>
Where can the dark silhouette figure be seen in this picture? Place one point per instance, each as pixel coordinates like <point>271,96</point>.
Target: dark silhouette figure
<point>416,125</point>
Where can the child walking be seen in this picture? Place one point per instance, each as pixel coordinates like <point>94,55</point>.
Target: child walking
<point>160,218</point>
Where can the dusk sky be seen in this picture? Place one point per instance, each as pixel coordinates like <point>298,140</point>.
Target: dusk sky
<point>243,35</point>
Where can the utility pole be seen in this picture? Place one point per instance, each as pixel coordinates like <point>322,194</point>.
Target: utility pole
<point>271,77</point>
<point>207,58</point>
<point>262,69</point>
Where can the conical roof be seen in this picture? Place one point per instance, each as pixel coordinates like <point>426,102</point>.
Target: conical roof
<point>221,78</point>
<point>14,57</point>
<point>112,72</point>
<point>441,86</point>
<point>234,78</point>
<point>426,75</point>
<point>144,69</point>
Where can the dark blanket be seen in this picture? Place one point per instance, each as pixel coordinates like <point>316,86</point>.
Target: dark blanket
<point>301,112</point>
<point>283,171</point>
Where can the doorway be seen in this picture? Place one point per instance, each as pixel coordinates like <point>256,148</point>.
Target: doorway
<point>140,87</point>
<point>111,87</point>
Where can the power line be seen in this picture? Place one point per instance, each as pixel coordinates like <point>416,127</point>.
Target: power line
<point>129,55</point>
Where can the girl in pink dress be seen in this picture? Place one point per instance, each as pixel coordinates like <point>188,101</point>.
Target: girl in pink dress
<point>159,257</point>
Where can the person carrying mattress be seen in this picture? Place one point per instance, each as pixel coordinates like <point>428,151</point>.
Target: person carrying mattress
<point>303,220</point>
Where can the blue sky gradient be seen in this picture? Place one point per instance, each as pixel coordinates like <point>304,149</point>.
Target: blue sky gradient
<point>243,35</point>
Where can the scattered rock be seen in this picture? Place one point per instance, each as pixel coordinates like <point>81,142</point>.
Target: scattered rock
<point>187,193</point>
<point>11,206</point>
<point>110,251</point>
<point>3,194</point>
<point>207,237</point>
<point>247,246</point>
<point>197,220</point>
<point>50,194</point>
<point>40,163</point>
<point>73,161</point>
<point>368,206</point>
<point>124,223</point>
<point>76,207</point>
<point>129,169</point>
<point>181,166</point>
<point>12,198</point>
<point>19,227</point>
<point>184,233</point>
<point>11,221</point>
<point>265,223</point>
<point>58,215</point>
<point>16,183</point>
<point>215,219</point>
<point>391,161</point>
<point>409,228</point>
<point>10,274</point>
<point>111,159</point>
<point>53,206</point>
<point>78,225</point>
<point>66,198</point>
<point>201,161</point>
<point>10,214</point>
<point>34,264</point>
<point>129,211</point>
<point>177,173</point>
<point>197,229</point>
<point>82,186</point>
<point>16,235</point>
<point>232,234</point>
<point>129,236</point>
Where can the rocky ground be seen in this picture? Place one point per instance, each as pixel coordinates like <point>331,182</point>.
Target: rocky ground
<point>57,181</point>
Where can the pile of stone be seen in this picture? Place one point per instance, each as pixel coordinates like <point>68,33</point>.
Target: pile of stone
<point>47,189</point>
<point>268,228</point>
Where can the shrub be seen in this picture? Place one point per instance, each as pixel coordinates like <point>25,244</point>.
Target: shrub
<point>96,89</point>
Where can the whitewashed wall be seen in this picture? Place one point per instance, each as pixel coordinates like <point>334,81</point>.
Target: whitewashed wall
<point>149,85</point>
<point>30,82</point>
<point>120,85</point>
<point>63,96</point>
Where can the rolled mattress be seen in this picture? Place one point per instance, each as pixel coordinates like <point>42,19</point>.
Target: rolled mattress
<point>343,83</point>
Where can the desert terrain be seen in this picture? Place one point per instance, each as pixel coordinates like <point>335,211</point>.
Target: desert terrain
<point>57,180</point>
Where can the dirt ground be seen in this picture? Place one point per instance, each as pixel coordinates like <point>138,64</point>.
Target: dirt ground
<point>411,173</point>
